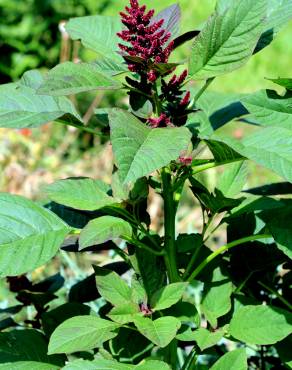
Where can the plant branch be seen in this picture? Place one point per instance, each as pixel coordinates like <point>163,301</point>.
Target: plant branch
<point>80,127</point>
<point>278,295</point>
<point>202,90</point>
<point>142,245</point>
<point>213,164</point>
<point>223,249</point>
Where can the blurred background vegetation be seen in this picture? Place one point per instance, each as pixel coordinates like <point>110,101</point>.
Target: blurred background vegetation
<point>30,38</point>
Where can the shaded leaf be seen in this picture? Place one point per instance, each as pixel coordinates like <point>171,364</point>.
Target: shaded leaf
<point>233,179</point>
<point>171,16</point>
<point>285,82</point>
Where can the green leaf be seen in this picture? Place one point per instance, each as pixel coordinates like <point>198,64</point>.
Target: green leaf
<point>26,345</point>
<point>102,229</point>
<point>279,224</point>
<point>206,339</point>
<point>160,331</point>
<point>261,324</point>
<point>81,333</point>
<point>285,82</point>
<point>105,364</point>
<point>216,300</point>
<point>270,147</point>
<point>222,152</point>
<point>30,235</point>
<point>110,67</point>
<point>124,313</point>
<point>234,360</point>
<point>53,318</point>
<point>112,287</point>
<point>98,33</point>
<point>140,150</point>
<point>185,312</point>
<point>267,108</point>
<point>21,106</point>
<point>28,365</point>
<point>167,296</point>
<point>72,78</point>
<point>83,194</point>
<point>227,40</point>
<point>233,179</point>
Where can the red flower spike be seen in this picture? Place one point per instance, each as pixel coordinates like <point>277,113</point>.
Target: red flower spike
<point>186,100</point>
<point>147,40</point>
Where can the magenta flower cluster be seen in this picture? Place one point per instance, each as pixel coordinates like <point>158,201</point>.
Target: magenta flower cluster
<point>146,38</point>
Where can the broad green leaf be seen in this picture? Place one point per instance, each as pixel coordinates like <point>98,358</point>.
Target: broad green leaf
<point>110,67</point>
<point>285,82</point>
<point>222,152</point>
<point>72,78</point>
<point>268,108</point>
<point>233,179</point>
<point>171,16</point>
<point>124,313</point>
<point>276,188</point>
<point>98,33</point>
<point>26,345</point>
<point>112,287</point>
<point>227,40</point>
<point>167,296</point>
<point>261,324</point>
<point>21,106</point>
<point>279,223</point>
<point>234,360</point>
<point>216,300</point>
<point>28,365</point>
<point>106,364</point>
<point>206,338</point>
<point>81,333</point>
<point>53,318</point>
<point>270,147</point>
<point>140,150</point>
<point>103,229</point>
<point>160,331</point>
<point>83,194</point>
<point>30,235</point>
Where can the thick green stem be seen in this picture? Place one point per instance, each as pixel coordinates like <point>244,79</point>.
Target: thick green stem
<point>169,226</point>
<point>223,249</point>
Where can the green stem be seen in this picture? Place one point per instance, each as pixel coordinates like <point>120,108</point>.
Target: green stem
<point>213,164</point>
<point>80,127</point>
<point>278,295</point>
<point>202,90</point>
<point>142,245</point>
<point>169,226</point>
<point>157,101</point>
<point>223,249</point>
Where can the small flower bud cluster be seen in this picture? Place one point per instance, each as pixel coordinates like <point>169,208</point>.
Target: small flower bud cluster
<point>146,38</point>
<point>177,104</point>
<point>161,121</point>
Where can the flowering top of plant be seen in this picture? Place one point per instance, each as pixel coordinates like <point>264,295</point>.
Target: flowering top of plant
<point>147,39</point>
<point>149,45</point>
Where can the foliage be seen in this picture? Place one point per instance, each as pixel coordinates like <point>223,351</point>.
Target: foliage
<point>230,304</point>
